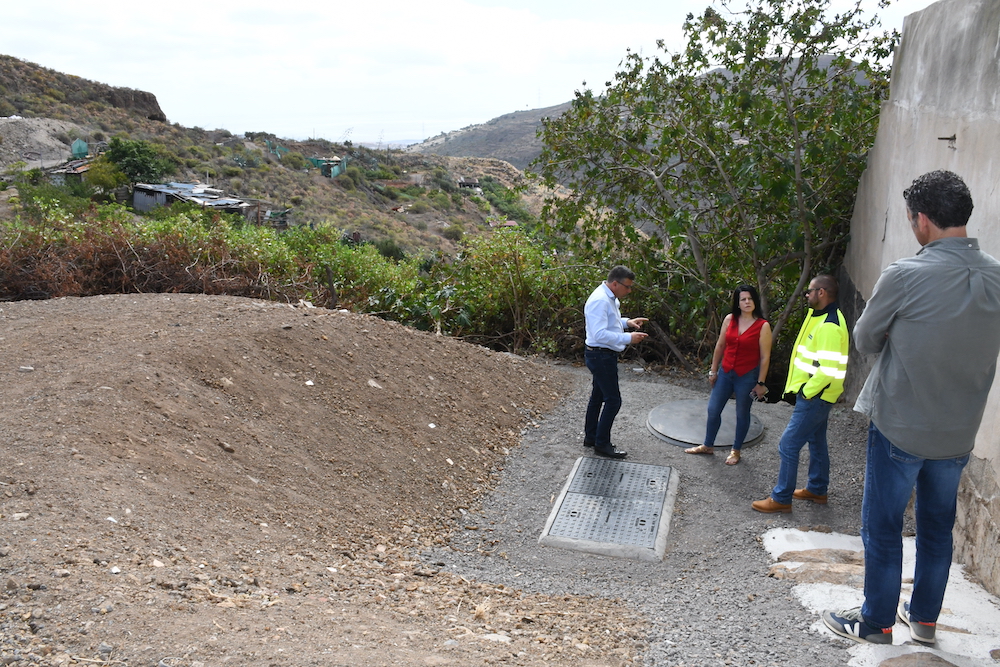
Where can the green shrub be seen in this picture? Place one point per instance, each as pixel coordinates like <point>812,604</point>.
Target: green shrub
<point>420,206</point>
<point>506,201</point>
<point>389,249</point>
<point>481,204</point>
<point>443,179</point>
<point>453,232</point>
<point>379,174</point>
<point>294,160</point>
<point>355,175</point>
<point>440,201</point>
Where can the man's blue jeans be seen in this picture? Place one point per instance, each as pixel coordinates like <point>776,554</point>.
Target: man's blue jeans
<point>725,384</point>
<point>807,425</point>
<point>603,365</point>
<point>890,475</point>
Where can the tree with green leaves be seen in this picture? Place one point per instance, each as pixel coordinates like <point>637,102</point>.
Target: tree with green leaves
<point>138,160</point>
<point>735,160</point>
<point>104,176</point>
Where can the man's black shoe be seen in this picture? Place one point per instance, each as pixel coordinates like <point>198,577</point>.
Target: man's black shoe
<point>588,443</point>
<point>613,453</point>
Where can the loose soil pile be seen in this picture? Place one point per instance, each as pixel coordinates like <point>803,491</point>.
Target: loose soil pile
<point>195,480</point>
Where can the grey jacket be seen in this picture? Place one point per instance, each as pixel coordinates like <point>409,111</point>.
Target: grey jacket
<point>934,320</point>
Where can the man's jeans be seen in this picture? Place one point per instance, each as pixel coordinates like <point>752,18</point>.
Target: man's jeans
<point>808,424</point>
<point>726,384</point>
<point>603,364</point>
<point>890,475</point>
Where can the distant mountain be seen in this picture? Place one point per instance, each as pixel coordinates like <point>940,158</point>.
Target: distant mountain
<point>510,137</point>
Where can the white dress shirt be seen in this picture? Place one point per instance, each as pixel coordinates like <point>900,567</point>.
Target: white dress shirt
<point>605,324</point>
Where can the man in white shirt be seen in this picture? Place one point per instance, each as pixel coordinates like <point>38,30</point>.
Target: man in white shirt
<point>606,338</point>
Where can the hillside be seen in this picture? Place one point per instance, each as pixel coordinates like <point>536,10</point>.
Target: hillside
<point>27,89</point>
<point>511,137</point>
<point>411,199</point>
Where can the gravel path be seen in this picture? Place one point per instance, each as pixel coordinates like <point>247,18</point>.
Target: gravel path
<point>710,600</point>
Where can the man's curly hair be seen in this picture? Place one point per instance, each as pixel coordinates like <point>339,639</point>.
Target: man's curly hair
<point>942,196</point>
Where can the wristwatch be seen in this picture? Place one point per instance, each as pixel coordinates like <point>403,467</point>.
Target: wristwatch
<point>760,384</point>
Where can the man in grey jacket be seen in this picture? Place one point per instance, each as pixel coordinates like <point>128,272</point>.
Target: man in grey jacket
<point>934,321</point>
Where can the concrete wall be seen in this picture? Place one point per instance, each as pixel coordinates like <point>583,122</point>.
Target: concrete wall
<point>943,112</point>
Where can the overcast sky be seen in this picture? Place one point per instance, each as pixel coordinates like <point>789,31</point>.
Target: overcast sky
<point>365,70</point>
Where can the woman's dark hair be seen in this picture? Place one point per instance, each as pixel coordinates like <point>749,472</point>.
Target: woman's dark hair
<point>753,295</point>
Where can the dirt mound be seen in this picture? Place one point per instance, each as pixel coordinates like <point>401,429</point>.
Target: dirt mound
<point>195,480</point>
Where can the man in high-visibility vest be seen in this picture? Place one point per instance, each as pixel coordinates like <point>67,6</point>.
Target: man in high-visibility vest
<point>816,377</point>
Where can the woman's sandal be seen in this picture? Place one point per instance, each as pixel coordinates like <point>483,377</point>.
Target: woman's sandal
<point>700,449</point>
<point>733,458</point>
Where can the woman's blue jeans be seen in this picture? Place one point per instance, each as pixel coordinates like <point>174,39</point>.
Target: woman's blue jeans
<point>890,475</point>
<point>726,384</point>
<point>605,398</point>
<point>807,425</point>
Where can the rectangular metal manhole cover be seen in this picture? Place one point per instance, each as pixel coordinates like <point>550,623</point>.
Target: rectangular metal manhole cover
<point>613,508</point>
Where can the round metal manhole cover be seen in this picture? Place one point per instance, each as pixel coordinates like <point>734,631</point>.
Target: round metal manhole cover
<point>682,423</point>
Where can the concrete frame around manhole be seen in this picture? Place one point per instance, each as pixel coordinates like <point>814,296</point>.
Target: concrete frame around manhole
<point>609,500</point>
<point>682,423</point>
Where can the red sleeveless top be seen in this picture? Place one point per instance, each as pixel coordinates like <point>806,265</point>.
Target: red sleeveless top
<point>742,350</point>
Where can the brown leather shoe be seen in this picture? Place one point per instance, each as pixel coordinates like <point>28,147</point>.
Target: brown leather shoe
<point>803,494</point>
<point>769,506</point>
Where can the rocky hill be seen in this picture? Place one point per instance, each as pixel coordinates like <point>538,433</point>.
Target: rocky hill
<point>511,137</point>
<point>27,89</point>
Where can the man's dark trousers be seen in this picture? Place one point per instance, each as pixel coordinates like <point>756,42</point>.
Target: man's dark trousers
<point>603,365</point>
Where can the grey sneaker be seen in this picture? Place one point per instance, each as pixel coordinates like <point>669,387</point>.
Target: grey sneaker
<point>919,631</point>
<point>850,624</point>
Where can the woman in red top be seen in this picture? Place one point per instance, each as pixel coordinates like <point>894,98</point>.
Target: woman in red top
<point>744,351</point>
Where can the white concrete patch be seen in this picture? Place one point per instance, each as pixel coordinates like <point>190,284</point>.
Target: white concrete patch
<point>781,540</point>
<point>968,629</point>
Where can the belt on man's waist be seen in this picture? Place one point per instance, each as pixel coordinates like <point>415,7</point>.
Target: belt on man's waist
<point>601,349</point>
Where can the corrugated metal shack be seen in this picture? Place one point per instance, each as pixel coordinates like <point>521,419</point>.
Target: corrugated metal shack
<point>69,171</point>
<point>148,196</point>
<point>331,167</point>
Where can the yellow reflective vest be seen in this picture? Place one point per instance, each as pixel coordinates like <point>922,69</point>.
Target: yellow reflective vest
<point>819,358</point>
